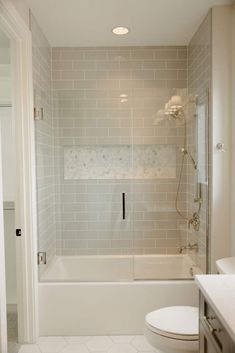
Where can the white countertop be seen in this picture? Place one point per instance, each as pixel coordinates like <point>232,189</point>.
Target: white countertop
<point>219,290</point>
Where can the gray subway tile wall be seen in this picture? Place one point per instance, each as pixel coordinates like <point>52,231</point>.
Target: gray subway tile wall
<point>110,96</point>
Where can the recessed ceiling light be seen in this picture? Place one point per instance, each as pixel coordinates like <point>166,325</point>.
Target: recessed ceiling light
<point>120,31</point>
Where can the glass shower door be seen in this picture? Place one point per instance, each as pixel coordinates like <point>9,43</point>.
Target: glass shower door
<point>89,149</point>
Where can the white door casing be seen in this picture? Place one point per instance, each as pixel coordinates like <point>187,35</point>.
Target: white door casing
<point>25,202</point>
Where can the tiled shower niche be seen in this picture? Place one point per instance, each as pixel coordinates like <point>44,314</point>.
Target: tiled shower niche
<point>120,162</point>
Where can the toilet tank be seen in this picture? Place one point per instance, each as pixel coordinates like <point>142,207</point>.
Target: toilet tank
<point>226,265</point>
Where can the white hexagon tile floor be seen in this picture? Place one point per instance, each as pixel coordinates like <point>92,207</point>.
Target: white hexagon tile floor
<point>92,344</point>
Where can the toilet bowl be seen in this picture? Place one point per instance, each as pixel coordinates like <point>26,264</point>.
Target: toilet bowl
<point>173,329</point>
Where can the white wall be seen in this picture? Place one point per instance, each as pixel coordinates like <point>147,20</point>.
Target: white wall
<point>8,157</point>
<point>221,127</point>
<point>10,255</point>
<point>8,171</point>
<point>6,126</point>
<point>5,82</point>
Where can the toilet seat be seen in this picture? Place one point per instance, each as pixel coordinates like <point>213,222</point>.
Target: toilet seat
<point>175,322</point>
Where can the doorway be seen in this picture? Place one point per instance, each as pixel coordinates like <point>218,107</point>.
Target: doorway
<point>18,309</point>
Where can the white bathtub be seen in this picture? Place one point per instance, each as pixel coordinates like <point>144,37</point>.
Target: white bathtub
<point>110,295</point>
<point>119,268</point>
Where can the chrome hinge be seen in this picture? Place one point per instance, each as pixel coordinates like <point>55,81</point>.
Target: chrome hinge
<point>38,113</point>
<point>42,258</point>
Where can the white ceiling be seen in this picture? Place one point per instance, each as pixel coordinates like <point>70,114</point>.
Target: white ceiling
<point>89,22</point>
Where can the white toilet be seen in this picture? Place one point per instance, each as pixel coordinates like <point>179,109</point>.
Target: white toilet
<point>226,266</point>
<point>173,329</point>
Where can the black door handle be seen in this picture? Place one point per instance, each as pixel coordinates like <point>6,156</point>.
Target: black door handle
<point>123,205</point>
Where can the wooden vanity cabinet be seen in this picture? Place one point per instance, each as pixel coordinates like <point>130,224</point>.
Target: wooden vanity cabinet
<point>213,337</point>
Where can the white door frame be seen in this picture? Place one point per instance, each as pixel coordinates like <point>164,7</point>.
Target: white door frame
<point>25,216</point>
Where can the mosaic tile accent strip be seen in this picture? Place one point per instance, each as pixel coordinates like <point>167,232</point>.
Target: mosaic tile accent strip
<point>115,162</point>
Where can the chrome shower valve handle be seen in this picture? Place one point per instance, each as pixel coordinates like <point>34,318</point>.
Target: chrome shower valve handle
<point>195,222</point>
<point>189,247</point>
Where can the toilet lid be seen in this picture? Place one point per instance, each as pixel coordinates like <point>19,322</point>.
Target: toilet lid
<point>179,322</point>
